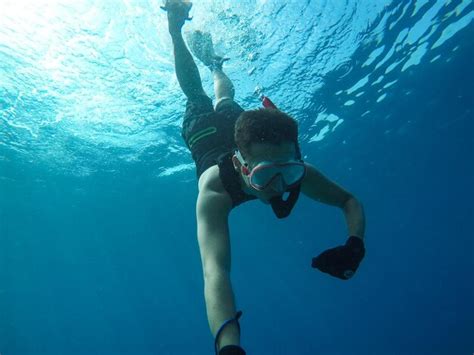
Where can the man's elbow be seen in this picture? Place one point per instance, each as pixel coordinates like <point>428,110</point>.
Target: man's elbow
<point>351,203</point>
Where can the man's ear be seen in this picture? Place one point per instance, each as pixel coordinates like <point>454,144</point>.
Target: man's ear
<point>239,167</point>
<point>237,163</point>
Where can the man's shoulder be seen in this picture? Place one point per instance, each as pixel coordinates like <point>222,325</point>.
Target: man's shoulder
<point>210,181</point>
<point>213,197</point>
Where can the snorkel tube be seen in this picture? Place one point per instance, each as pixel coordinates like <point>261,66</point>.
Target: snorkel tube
<point>267,103</point>
<point>280,207</point>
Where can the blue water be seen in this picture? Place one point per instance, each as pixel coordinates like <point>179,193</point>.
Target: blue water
<point>98,250</point>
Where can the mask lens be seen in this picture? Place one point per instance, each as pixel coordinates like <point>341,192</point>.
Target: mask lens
<point>293,173</point>
<point>263,175</point>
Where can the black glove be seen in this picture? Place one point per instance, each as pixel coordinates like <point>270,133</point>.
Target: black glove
<point>342,261</point>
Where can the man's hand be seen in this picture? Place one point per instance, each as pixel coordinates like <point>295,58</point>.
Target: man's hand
<point>342,261</point>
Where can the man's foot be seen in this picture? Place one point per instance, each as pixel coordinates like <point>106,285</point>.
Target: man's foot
<point>201,46</point>
<point>178,13</point>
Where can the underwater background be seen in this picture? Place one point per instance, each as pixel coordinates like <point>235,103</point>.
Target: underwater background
<point>98,249</point>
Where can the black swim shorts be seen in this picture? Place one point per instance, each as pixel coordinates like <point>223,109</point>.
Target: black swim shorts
<point>209,133</point>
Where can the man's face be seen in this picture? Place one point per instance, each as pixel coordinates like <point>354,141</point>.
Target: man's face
<point>260,152</point>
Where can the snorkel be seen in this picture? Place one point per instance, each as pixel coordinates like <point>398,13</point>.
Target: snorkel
<point>267,103</point>
<point>282,208</point>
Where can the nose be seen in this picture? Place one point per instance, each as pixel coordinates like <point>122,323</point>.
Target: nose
<point>278,184</point>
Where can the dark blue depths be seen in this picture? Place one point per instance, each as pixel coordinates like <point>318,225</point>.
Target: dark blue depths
<point>109,263</point>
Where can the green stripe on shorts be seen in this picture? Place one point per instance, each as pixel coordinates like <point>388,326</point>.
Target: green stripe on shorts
<point>200,135</point>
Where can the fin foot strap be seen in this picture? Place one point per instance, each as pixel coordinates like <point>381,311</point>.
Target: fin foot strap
<point>227,322</point>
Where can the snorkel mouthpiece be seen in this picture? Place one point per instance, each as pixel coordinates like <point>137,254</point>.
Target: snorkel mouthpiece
<point>282,208</point>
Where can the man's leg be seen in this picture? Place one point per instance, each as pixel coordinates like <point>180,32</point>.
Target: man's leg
<point>202,47</point>
<point>223,87</point>
<point>186,69</point>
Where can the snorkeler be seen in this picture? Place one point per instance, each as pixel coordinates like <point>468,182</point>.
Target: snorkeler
<point>240,156</point>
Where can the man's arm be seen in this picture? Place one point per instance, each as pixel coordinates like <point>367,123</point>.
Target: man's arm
<point>212,211</point>
<point>342,261</point>
<point>318,187</point>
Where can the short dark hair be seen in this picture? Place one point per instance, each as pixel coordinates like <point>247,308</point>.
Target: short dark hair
<point>264,125</point>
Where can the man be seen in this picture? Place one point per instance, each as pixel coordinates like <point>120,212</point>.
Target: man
<point>243,155</point>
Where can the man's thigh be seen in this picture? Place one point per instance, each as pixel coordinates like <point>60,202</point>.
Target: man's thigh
<point>198,110</point>
<point>229,108</point>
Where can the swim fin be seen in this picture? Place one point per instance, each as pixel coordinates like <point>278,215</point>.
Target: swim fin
<point>200,44</point>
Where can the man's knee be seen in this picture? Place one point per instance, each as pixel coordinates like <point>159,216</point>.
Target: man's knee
<point>223,101</point>
<point>198,105</point>
<point>197,94</point>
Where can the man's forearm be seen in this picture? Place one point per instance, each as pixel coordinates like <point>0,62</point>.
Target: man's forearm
<point>355,218</point>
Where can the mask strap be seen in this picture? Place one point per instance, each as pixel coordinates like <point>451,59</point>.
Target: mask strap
<point>298,151</point>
